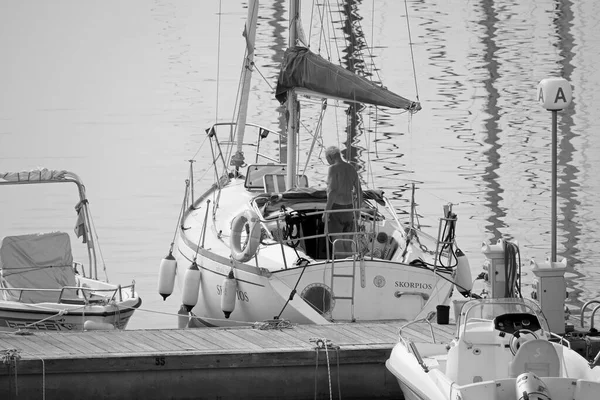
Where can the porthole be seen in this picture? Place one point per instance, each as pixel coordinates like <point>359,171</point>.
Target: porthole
<point>319,297</point>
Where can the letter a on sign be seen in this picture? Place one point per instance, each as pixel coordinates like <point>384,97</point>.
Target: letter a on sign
<point>554,93</point>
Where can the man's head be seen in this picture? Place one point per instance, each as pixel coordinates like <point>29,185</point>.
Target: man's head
<point>332,153</point>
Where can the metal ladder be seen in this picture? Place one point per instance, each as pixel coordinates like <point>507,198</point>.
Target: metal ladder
<point>352,276</point>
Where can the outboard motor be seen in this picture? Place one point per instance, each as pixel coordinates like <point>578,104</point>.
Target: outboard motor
<point>530,387</point>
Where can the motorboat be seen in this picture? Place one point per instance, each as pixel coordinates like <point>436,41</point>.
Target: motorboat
<point>42,287</point>
<point>503,350</point>
<point>253,246</point>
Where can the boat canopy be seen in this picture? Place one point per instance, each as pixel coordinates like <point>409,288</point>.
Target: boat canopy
<point>36,261</point>
<point>305,71</point>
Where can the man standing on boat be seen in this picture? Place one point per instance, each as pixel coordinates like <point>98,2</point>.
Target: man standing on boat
<point>342,181</point>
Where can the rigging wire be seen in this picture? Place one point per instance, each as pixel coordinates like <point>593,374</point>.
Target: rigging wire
<point>218,60</point>
<point>264,78</point>
<point>94,232</point>
<point>410,44</point>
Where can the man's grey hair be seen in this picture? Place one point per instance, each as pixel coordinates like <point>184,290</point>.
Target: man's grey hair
<point>332,150</point>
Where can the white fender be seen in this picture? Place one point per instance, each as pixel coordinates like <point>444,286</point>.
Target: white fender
<point>166,275</point>
<point>463,279</point>
<point>183,317</point>
<point>191,286</point>
<point>243,252</point>
<point>229,294</point>
<point>90,325</point>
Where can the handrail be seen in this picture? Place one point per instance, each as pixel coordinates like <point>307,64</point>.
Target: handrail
<point>415,351</point>
<point>587,303</point>
<point>416,321</point>
<point>562,339</point>
<point>592,317</point>
<point>85,291</point>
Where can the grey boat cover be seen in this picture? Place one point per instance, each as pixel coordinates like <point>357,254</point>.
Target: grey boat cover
<point>305,70</point>
<point>36,261</point>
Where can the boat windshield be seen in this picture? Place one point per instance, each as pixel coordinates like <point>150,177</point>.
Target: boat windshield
<point>482,311</point>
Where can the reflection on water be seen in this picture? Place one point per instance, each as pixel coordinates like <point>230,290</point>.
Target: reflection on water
<point>126,107</point>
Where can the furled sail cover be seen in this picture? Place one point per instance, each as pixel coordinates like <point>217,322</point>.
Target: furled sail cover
<point>305,70</point>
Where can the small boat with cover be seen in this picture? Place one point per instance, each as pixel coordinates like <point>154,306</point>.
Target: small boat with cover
<point>43,288</point>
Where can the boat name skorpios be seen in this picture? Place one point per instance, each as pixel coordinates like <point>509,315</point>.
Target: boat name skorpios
<point>241,296</point>
<point>413,285</point>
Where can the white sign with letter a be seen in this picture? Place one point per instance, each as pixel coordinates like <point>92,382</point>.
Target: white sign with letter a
<point>554,93</point>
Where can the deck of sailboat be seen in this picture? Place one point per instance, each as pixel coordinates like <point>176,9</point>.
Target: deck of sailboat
<point>296,362</point>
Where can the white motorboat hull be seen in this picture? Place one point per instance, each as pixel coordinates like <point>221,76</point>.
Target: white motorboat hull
<point>485,362</point>
<point>109,308</point>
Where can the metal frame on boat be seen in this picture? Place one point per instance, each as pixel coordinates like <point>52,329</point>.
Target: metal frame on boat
<point>42,287</point>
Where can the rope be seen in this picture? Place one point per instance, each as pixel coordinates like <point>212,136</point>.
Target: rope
<point>412,56</point>
<point>218,63</point>
<point>273,324</point>
<point>326,344</point>
<point>316,369</point>
<point>264,78</point>
<point>258,325</point>
<point>328,372</point>
<point>511,266</point>
<point>43,374</point>
<point>10,356</point>
<point>61,312</point>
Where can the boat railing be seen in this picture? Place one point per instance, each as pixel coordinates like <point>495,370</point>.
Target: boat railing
<point>88,295</point>
<point>236,160</point>
<point>427,319</point>
<point>561,339</point>
<point>587,303</point>
<point>339,237</point>
<point>263,133</point>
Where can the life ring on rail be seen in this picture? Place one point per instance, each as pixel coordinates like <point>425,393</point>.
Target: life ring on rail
<point>244,251</point>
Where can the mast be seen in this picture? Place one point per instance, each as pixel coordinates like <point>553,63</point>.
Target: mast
<point>237,159</point>
<point>292,103</point>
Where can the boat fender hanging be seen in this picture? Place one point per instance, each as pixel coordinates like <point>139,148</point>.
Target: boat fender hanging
<point>191,286</point>
<point>229,294</point>
<point>248,221</point>
<point>183,317</point>
<point>166,275</point>
<point>463,279</point>
<point>90,325</point>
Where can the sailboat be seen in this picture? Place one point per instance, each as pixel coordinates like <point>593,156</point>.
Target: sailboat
<point>42,286</point>
<point>252,248</point>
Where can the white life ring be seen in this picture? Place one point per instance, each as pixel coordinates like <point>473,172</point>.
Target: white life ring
<point>243,252</point>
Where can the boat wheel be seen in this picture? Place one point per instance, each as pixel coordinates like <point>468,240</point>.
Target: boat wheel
<point>515,341</point>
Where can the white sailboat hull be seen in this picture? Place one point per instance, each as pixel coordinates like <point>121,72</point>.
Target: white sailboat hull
<point>363,289</point>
